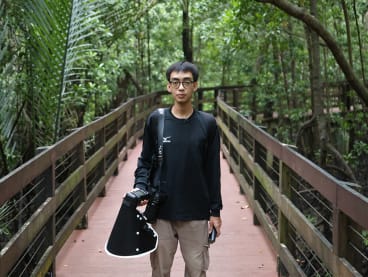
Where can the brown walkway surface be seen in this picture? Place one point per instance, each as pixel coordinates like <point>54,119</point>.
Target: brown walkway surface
<point>242,250</point>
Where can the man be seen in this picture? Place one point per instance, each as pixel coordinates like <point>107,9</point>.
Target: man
<point>189,178</point>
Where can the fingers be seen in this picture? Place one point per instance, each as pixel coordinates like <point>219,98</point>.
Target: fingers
<point>210,226</point>
<point>215,222</point>
<point>143,202</point>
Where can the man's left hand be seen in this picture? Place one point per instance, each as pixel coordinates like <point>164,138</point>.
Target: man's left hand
<point>215,222</point>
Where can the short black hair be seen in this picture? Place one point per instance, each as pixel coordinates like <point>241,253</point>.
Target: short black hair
<point>183,66</point>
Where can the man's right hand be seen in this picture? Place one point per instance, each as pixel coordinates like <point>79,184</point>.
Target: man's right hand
<point>143,202</point>
<point>137,197</point>
<point>142,195</point>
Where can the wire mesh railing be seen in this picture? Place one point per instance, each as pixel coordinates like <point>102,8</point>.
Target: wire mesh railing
<point>306,258</point>
<point>317,224</point>
<point>44,200</point>
<point>312,205</point>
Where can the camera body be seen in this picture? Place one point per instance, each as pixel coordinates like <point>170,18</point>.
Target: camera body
<point>133,198</point>
<point>152,208</point>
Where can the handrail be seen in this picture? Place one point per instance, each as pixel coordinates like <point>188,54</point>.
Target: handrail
<point>292,198</point>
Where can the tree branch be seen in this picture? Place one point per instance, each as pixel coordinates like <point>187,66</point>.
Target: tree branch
<point>315,25</point>
<point>346,168</point>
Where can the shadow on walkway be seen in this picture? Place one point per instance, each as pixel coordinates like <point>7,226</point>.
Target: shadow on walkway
<point>242,250</point>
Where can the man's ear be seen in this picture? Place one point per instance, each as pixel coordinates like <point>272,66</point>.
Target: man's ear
<point>168,87</point>
<point>195,86</point>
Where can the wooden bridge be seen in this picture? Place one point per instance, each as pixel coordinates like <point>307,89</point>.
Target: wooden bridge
<point>304,222</point>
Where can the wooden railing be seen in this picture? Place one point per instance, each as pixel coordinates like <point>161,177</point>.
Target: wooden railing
<point>312,219</point>
<point>317,224</point>
<point>48,197</point>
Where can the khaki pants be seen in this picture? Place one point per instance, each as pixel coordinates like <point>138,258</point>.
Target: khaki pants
<point>193,239</point>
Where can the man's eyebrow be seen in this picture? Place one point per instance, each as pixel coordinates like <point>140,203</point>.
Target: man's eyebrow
<point>185,79</point>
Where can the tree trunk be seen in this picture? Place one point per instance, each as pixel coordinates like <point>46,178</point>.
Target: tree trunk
<point>316,89</point>
<point>361,56</point>
<point>187,36</point>
<point>348,32</point>
<point>294,98</point>
<point>351,137</point>
<point>149,73</point>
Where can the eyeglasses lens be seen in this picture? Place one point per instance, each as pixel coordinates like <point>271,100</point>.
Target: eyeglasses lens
<point>176,84</point>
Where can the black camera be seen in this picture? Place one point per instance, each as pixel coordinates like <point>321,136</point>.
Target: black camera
<point>154,198</point>
<point>151,211</point>
<point>135,196</point>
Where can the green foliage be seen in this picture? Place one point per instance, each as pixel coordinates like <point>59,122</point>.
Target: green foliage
<point>60,62</point>
<point>48,49</point>
<point>4,218</point>
<point>312,219</point>
<point>365,237</point>
<point>360,148</point>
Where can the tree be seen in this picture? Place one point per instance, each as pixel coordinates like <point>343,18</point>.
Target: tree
<point>187,34</point>
<point>51,55</point>
<point>315,25</point>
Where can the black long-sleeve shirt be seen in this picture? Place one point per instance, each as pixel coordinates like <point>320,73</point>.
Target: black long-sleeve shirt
<point>190,176</point>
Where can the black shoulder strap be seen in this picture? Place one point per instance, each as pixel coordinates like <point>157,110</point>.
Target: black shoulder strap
<point>160,147</point>
<point>160,135</point>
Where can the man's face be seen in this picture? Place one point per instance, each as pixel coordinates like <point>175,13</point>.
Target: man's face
<point>181,86</point>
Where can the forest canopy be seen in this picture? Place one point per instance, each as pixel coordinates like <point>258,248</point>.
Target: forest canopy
<point>64,62</point>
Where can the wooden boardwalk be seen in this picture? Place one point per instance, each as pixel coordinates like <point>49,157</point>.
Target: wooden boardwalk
<point>241,251</point>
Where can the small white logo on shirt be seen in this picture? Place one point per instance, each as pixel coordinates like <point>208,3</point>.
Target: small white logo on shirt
<point>166,139</point>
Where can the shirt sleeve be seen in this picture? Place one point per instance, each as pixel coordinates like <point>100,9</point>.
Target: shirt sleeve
<point>145,160</point>
<point>213,170</point>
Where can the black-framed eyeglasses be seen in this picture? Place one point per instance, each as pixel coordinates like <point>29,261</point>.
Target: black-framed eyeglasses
<point>176,83</point>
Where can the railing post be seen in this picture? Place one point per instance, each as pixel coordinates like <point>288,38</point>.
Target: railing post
<point>126,136</point>
<point>255,180</point>
<point>339,235</point>
<point>200,100</point>
<point>81,157</point>
<point>283,223</point>
<point>133,128</point>
<point>51,225</point>
<point>49,191</point>
<point>216,94</point>
<point>235,99</point>
<point>239,137</point>
<point>116,131</point>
